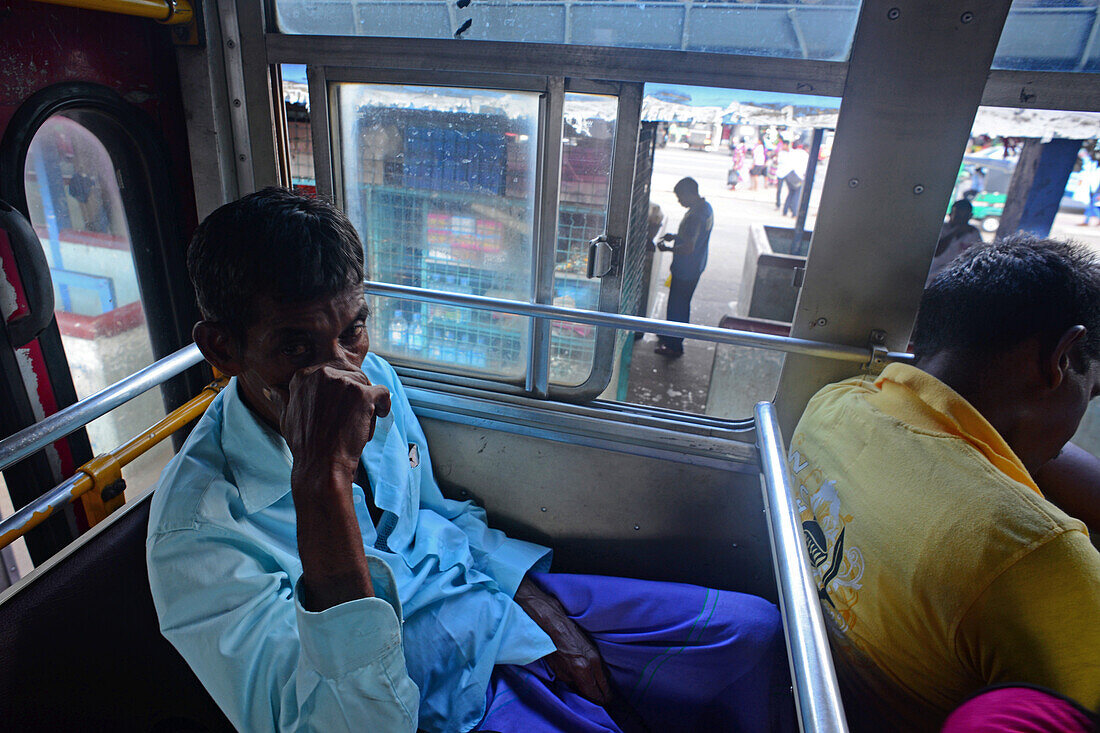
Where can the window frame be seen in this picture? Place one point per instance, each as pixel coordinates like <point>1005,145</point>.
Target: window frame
<point>261,44</point>
<point>325,126</point>
<point>153,216</point>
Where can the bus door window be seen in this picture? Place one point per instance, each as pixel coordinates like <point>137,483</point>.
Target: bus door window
<point>75,205</point>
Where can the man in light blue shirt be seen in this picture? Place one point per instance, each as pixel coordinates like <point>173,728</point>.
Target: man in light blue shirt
<point>305,563</point>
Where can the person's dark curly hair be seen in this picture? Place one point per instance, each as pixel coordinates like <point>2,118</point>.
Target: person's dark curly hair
<point>998,295</point>
<point>274,242</point>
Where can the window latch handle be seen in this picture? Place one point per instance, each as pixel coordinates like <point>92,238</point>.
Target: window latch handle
<point>601,255</point>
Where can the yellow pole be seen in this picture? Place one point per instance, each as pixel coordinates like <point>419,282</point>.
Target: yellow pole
<point>103,470</point>
<point>170,12</point>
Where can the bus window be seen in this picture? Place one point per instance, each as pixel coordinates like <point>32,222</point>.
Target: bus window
<point>1050,35</point>
<point>441,184</point>
<point>758,245</point>
<point>75,205</point>
<point>791,30</point>
<point>303,178</point>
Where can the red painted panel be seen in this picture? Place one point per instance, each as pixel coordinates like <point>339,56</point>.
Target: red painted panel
<point>42,45</point>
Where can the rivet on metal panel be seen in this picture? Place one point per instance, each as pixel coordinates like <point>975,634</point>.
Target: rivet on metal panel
<point>878,336</point>
<point>543,509</point>
<point>853,182</point>
<point>893,13</point>
<point>636,527</point>
<point>231,43</point>
<point>918,189</point>
<point>242,157</point>
<point>967,17</point>
<point>236,103</point>
<point>821,322</point>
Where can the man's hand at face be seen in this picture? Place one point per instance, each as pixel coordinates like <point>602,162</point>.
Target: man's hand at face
<point>330,415</point>
<point>577,661</point>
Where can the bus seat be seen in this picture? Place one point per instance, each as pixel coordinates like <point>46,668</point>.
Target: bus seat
<point>80,648</point>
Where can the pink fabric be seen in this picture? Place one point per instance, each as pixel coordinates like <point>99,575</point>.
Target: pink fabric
<point>1018,710</point>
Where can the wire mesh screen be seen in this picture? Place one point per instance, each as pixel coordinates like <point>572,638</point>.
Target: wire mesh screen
<point>438,241</point>
<point>638,258</point>
<point>440,182</point>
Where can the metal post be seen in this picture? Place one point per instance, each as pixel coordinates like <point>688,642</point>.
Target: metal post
<point>807,186</point>
<point>817,693</point>
<point>26,442</point>
<point>634,323</point>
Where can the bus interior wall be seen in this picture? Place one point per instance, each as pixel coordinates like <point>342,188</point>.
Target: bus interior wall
<point>46,47</point>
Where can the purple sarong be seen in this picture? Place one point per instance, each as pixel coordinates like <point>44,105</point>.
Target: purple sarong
<point>683,658</point>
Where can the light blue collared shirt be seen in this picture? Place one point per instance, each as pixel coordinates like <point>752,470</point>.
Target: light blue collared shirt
<point>224,570</point>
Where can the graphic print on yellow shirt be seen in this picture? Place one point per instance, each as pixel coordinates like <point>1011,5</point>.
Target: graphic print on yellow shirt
<point>838,567</point>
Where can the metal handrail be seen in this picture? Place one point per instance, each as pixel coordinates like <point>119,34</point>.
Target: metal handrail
<point>24,443</point>
<point>817,694</point>
<point>97,473</point>
<point>787,344</point>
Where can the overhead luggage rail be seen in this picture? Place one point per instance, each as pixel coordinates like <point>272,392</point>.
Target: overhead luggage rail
<point>787,344</point>
<point>816,692</point>
<point>103,473</point>
<point>24,443</point>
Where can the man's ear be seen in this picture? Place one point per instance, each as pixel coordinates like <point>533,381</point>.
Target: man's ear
<point>218,346</point>
<point>1059,362</point>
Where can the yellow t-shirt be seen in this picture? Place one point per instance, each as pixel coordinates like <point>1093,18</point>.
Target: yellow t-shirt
<point>941,567</point>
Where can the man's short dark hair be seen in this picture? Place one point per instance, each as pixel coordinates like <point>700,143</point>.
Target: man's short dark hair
<point>998,295</point>
<point>686,185</point>
<point>274,242</point>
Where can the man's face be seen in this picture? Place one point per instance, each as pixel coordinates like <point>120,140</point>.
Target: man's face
<point>287,337</point>
<point>682,198</point>
<point>1067,406</point>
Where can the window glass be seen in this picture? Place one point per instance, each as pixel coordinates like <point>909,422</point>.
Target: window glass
<point>440,183</point>
<point>750,154</point>
<point>793,29</point>
<point>76,208</point>
<point>1050,35</point>
<point>303,178</point>
<point>588,141</point>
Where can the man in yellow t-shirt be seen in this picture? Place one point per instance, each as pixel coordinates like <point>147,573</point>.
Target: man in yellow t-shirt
<point>941,566</point>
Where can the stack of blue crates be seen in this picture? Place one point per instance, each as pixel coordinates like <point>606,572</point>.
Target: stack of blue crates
<point>454,160</point>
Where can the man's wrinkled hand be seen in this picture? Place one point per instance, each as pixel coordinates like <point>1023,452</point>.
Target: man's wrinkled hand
<point>330,414</point>
<point>576,661</point>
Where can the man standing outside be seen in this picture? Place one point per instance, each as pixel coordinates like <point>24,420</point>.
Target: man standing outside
<point>689,259</point>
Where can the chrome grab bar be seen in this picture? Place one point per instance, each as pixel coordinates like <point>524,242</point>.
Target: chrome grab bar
<point>817,694</point>
<point>788,344</point>
<point>24,443</point>
<point>99,473</point>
